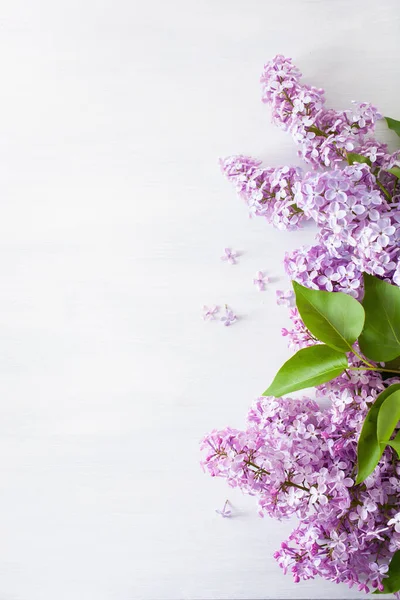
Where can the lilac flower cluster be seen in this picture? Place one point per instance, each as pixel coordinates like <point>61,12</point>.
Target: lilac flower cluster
<point>299,460</point>
<point>324,135</point>
<point>357,222</point>
<point>359,231</point>
<point>299,336</point>
<point>295,457</point>
<point>268,193</point>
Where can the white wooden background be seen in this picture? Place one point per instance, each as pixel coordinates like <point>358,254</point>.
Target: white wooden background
<point>113,218</point>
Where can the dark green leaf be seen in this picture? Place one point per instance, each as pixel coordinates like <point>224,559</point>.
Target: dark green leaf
<point>357,158</point>
<point>335,318</point>
<point>393,365</point>
<point>380,339</point>
<point>391,584</point>
<point>394,171</point>
<point>388,417</point>
<point>308,367</point>
<point>393,124</point>
<point>393,369</point>
<point>369,450</point>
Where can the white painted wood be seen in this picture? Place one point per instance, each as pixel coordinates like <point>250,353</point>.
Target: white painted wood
<point>114,215</point>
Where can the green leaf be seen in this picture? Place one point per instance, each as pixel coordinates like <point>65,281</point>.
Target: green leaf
<point>395,444</point>
<point>335,318</point>
<point>391,583</point>
<point>369,451</point>
<point>357,158</point>
<point>388,417</point>
<point>380,339</point>
<point>393,125</point>
<point>393,369</point>
<point>394,171</point>
<point>393,365</point>
<point>308,367</point>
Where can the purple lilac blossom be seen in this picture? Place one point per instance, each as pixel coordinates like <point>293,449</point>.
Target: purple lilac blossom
<point>209,312</point>
<point>359,231</point>
<point>294,457</point>
<point>285,298</point>
<point>225,512</point>
<point>267,192</point>
<point>229,256</point>
<point>299,460</point>
<point>324,135</point>
<point>229,317</point>
<point>356,221</point>
<point>260,281</point>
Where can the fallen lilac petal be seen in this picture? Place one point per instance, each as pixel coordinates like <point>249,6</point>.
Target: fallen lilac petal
<point>210,312</point>
<point>229,318</point>
<point>229,256</point>
<point>225,512</point>
<point>260,281</point>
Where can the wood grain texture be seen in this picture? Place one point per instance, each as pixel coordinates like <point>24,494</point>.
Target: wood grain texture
<point>114,215</point>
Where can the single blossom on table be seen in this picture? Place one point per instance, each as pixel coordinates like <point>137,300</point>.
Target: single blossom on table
<point>260,281</point>
<point>225,512</point>
<point>285,298</point>
<point>210,312</point>
<point>229,256</point>
<point>229,318</point>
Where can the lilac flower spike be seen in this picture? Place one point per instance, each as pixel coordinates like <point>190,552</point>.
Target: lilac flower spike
<point>229,318</point>
<point>260,281</point>
<point>210,312</point>
<point>225,512</point>
<point>230,256</point>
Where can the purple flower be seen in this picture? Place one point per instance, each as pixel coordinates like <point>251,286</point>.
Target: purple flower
<point>378,572</point>
<point>336,190</point>
<point>260,281</point>
<point>318,494</point>
<point>210,312</point>
<point>324,136</point>
<point>297,458</point>
<point>268,193</point>
<point>225,512</point>
<point>285,298</point>
<point>229,318</point>
<point>396,522</point>
<point>230,256</point>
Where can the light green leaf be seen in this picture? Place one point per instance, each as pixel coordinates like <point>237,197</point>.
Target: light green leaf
<point>395,444</point>
<point>394,171</point>
<point>380,338</point>
<point>393,124</point>
<point>388,417</point>
<point>369,451</point>
<point>357,158</point>
<point>391,583</point>
<point>335,318</point>
<point>308,367</point>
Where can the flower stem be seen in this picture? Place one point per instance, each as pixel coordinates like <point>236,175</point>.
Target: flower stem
<point>354,351</point>
<point>378,369</point>
<point>317,131</point>
<point>384,190</point>
<point>251,464</point>
<point>300,487</point>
